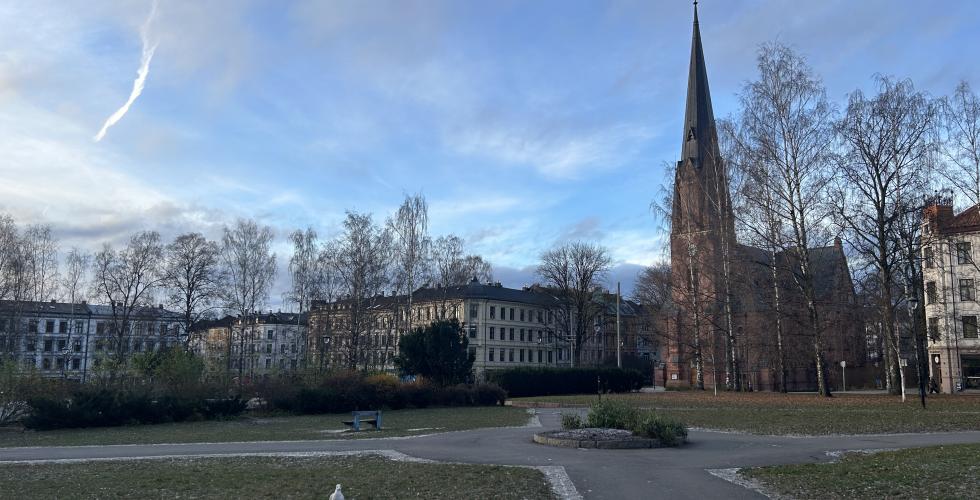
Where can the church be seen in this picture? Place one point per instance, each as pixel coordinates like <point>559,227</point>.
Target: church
<point>738,319</point>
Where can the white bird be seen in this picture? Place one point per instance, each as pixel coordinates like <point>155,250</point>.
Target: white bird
<point>337,494</point>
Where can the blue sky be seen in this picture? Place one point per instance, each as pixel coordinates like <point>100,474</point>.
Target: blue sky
<point>524,123</point>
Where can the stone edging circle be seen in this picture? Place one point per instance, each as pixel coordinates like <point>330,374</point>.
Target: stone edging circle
<point>547,438</point>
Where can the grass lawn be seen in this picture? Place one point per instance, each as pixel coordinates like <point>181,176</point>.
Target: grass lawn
<point>275,428</point>
<point>775,413</point>
<point>270,477</point>
<point>936,472</point>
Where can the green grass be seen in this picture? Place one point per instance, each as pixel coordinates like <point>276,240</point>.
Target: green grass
<point>275,428</point>
<point>270,477</point>
<point>936,472</point>
<point>804,414</point>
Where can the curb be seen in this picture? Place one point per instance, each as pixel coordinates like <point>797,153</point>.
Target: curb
<point>617,444</point>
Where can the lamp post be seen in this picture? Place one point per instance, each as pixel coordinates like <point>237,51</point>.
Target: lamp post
<point>913,304</point>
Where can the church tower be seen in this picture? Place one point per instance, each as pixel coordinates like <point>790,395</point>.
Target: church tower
<point>702,229</point>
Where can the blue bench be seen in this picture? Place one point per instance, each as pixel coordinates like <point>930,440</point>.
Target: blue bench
<point>367,417</point>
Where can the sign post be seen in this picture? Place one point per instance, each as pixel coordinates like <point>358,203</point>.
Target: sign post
<point>843,376</point>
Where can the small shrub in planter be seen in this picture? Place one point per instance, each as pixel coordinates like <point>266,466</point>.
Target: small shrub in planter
<point>613,415</point>
<point>570,421</point>
<point>669,432</point>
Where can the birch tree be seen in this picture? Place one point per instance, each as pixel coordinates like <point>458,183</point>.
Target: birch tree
<point>411,246</point>
<point>960,130</point>
<point>39,249</point>
<point>886,147</point>
<point>73,284</point>
<point>250,269</point>
<point>785,143</point>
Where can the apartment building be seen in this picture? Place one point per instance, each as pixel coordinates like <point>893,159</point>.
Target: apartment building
<point>260,345</point>
<point>505,327</point>
<point>950,243</point>
<point>70,340</point>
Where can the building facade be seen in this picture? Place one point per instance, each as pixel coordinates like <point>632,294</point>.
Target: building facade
<point>505,327</point>
<point>71,340</point>
<point>950,277</point>
<point>261,345</point>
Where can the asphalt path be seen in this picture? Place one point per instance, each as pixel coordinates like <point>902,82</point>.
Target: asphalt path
<point>614,474</point>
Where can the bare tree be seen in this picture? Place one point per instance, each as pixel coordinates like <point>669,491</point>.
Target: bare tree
<point>784,145</point>
<point>250,269</point>
<point>961,142</point>
<point>40,253</point>
<point>193,277</point>
<point>453,267</point>
<point>360,259</point>
<point>575,271</point>
<point>12,282</point>
<point>886,149</point>
<point>411,245</point>
<point>126,279</point>
<point>73,284</point>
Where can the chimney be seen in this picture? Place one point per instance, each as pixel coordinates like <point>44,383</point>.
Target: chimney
<point>52,301</point>
<point>938,213</point>
<point>837,242</point>
<point>160,306</point>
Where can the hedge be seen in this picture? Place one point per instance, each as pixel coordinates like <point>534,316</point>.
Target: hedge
<point>348,391</point>
<point>542,381</point>
<point>91,407</point>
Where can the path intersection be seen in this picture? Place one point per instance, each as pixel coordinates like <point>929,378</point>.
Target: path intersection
<point>691,471</point>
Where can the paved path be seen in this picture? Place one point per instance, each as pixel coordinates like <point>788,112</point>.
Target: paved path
<point>614,474</point>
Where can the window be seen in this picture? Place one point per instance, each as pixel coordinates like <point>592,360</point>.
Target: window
<point>493,312</point>
<point>31,346</point>
<point>931,296</point>
<point>78,346</point>
<point>472,329</point>
<point>76,363</point>
<point>969,327</point>
<point>270,334</point>
<point>79,326</point>
<point>60,362</point>
<point>474,309</point>
<point>48,345</point>
<point>502,355</point>
<point>522,314</point>
<point>282,364</point>
<point>268,348</point>
<point>32,326</point>
<point>522,355</point>
<point>549,356</point>
<point>46,364</point>
<point>511,356</point>
<point>963,253</point>
<point>491,331</point>
<point>929,256</point>
<point>934,329</point>
<point>540,317</point>
<point>62,327</point>
<point>512,332</point>
<point>49,326</point>
<point>540,356</point>
<point>282,349</point>
<point>268,363</point>
<point>512,314</point>
<point>522,335</point>
<point>551,317</point>
<point>100,328</point>
<point>967,291</point>
<point>292,347</point>
<point>490,355</point>
<point>62,343</point>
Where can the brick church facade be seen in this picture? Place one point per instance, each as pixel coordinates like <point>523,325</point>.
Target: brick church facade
<point>733,327</point>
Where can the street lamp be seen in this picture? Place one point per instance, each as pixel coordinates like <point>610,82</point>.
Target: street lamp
<point>913,304</point>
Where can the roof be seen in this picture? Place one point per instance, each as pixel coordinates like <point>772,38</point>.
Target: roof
<point>473,290</point>
<point>825,262</point>
<point>699,140</point>
<point>66,308</point>
<point>967,219</point>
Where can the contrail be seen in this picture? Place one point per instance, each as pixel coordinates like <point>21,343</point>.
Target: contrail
<point>140,81</point>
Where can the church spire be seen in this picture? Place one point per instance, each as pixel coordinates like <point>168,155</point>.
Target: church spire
<point>700,140</point>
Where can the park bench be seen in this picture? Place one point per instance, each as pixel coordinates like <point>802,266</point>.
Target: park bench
<point>369,417</point>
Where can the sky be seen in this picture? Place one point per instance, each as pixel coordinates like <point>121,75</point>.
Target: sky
<point>525,124</point>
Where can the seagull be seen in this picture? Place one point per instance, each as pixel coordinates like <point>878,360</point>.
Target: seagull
<point>337,494</point>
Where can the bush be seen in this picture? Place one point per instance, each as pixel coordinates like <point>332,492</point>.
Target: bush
<point>543,381</point>
<point>103,407</point>
<point>348,391</point>
<point>571,421</point>
<point>669,432</point>
<point>612,415</point>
